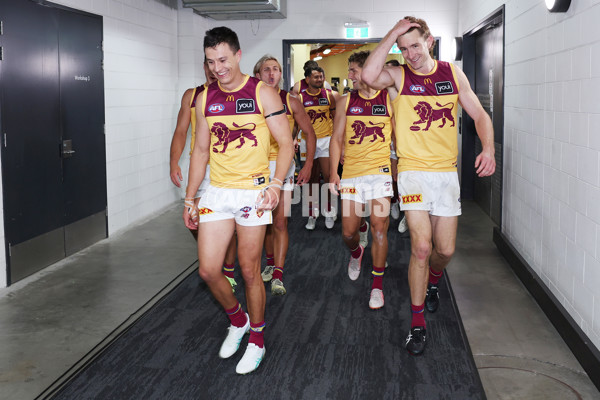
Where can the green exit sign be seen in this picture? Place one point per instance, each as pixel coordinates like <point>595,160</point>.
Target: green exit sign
<point>356,33</point>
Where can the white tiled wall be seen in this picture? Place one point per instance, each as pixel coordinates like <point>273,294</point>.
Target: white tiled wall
<point>551,210</point>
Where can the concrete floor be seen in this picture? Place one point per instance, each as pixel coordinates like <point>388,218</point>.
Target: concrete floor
<point>51,322</point>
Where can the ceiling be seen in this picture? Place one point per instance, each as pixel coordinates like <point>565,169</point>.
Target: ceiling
<point>316,49</point>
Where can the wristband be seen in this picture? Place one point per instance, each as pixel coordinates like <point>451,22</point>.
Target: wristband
<point>277,179</point>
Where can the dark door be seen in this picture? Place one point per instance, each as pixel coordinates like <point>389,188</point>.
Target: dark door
<point>38,108</point>
<point>82,129</point>
<point>484,66</point>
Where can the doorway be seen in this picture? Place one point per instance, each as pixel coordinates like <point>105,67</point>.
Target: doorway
<point>483,63</point>
<point>53,144</point>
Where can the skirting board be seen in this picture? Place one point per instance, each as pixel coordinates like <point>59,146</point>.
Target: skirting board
<point>583,349</point>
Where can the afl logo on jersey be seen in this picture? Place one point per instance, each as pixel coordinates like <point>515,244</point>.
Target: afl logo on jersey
<point>356,110</point>
<point>417,89</point>
<point>308,103</point>
<point>216,108</point>
<point>243,106</point>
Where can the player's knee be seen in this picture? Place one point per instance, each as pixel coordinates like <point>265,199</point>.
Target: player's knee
<point>445,253</point>
<point>421,249</point>
<point>378,228</point>
<point>208,274</point>
<point>348,234</point>
<point>251,275</point>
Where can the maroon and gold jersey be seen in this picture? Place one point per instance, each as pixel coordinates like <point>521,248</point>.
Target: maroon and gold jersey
<point>285,99</point>
<point>195,93</point>
<point>303,86</point>
<point>425,115</point>
<point>239,136</point>
<point>317,107</point>
<point>368,135</point>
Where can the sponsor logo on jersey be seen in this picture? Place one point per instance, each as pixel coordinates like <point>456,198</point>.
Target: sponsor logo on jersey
<point>444,87</point>
<point>216,108</point>
<point>384,169</point>
<point>428,81</point>
<point>417,89</point>
<point>323,102</point>
<point>243,106</point>
<point>259,181</point>
<point>347,190</point>
<point>205,211</point>
<point>356,110</point>
<point>230,97</point>
<point>412,198</point>
<point>379,109</point>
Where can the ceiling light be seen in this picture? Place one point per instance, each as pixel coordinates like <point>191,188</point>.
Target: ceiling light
<point>326,51</point>
<point>317,58</point>
<point>558,5</point>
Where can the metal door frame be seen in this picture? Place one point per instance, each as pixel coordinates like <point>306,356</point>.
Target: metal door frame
<point>467,126</point>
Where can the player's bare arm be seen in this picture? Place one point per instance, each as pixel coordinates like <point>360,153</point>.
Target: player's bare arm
<point>485,163</point>
<point>296,89</point>
<point>198,163</point>
<point>373,73</point>
<point>179,137</point>
<point>280,130</point>
<point>336,145</point>
<point>303,121</point>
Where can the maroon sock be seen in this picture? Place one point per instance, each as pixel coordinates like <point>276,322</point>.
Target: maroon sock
<point>363,227</point>
<point>228,270</point>
<point>270,260</point>
<point>357,252</point>
<point>418,315</point>
<point>237,316</point>
<point>278,273</point>
<point>377,278</point>
<point>256,334</point>
<point>434,277</point>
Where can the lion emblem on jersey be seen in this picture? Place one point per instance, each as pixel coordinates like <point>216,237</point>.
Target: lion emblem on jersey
<point>227,136</point>
<point>314,115</point>
<point>428,114</point>
<point>362,131</point>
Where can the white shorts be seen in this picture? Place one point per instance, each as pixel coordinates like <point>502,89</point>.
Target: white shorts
<point>436,192</point>
<point>364,188</point>
<point>322,150</point>
<point>218,204</point>
<point>288,182</point>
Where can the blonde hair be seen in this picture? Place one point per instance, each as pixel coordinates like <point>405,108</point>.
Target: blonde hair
<point>264,59</point>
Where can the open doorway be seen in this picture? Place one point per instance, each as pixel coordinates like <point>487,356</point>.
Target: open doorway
<point>334,61</point>
<point>334,55</point>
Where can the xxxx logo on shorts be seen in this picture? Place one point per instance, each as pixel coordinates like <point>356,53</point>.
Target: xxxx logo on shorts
<point>204,211</point>
<point>412,198</point>
<point>348,190</point>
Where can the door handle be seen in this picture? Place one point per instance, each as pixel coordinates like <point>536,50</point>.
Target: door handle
<point>66,149</point>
